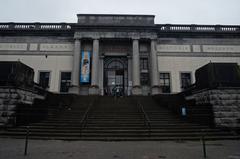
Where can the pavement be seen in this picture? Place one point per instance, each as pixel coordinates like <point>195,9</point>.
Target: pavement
<point>57,149</point>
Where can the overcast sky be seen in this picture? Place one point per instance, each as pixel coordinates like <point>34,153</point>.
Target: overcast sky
<point>166,11</point>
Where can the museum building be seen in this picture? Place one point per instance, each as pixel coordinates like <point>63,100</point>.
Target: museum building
<point>103,52</point>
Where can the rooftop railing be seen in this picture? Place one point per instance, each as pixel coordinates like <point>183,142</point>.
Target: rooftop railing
<point>198,28</point>
<point>35,26</point>
<point>162,27</point>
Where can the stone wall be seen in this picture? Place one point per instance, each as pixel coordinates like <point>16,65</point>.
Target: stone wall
<point>225,104</point>
<point>10,98</point>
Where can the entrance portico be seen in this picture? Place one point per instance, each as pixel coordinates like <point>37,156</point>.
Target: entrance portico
<point>115,45</point>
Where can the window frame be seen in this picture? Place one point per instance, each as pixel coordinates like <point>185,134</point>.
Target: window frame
<point>50,77</point>
<point>170,80</point>
<point>180,79</point>
<point>142,68</point>
<point>60,79</point>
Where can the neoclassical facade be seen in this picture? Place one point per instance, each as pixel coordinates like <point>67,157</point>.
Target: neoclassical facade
<point>130,53</point>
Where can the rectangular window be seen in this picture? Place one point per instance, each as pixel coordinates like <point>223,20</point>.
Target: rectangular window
<point>65,81</point>
<point>44,78</point>
<point>144,77</point>
<point>144,63</point>
<point>186,80</point>
<point>165,82</point>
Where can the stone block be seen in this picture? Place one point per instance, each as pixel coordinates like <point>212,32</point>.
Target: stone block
<point>93,91</point>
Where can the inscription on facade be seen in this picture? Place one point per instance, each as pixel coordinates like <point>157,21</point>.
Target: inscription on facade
<point>13,46</point>
<point>33,47</point>
<point>173,48</point>
<point>221,48</point>
<point>56,47</point>
<point>196,48</point>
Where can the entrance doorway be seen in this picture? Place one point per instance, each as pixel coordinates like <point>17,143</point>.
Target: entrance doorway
<point>115,76</point>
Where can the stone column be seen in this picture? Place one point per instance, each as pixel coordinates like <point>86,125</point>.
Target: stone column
<point>129,75</point>
<point>100,69</point>
<point>136,90</point>
<point>94,70</point>
<point>155,83</point>
<point>76,67</point>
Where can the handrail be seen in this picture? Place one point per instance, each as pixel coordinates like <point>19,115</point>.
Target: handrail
<point>147,121</point>
<point>84,119</point>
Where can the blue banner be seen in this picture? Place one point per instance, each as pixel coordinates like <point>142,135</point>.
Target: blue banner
<point>85,67</point>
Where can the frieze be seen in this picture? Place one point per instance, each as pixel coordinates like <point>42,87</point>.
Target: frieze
<point>56,47</point>
<point>97,35</point>
<point>221,48</point>
<point>173,48</point>
<point>13,46</point>
<point>196,48</point>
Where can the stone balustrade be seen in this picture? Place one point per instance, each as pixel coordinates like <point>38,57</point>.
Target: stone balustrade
<point>198,28</point>
<point>35,26</point>
<point>160,27</point>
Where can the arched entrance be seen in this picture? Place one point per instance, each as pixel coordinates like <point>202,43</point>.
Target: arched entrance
<point>115,75</point>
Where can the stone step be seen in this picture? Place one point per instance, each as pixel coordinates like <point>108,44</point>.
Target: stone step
<point>120,134</point>
<point>143,130</point>
<point>173,138</point>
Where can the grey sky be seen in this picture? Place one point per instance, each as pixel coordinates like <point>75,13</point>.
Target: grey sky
<point>166,11</point>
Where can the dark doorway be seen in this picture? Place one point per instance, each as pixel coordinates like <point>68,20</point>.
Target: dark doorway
<point>115,75</point>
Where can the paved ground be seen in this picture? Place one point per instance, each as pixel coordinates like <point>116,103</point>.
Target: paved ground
<point>54,149</point>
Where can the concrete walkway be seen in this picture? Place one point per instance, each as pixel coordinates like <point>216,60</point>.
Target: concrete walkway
<point>55,149</point>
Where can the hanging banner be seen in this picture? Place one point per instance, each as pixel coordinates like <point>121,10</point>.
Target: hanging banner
<point>85,67</point>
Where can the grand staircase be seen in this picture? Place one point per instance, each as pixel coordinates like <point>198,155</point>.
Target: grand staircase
<point>116,119</point>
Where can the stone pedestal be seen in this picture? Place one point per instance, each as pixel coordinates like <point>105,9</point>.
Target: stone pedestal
<point>155,90</point>
<point>93,91</point>
<point>74,90</point>
<point>225,104</point>
<point>10,101</point>
<point>136,90</point>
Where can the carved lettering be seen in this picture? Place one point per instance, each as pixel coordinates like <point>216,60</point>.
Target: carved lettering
<point>173,48</point>
<point>221,48</point>
<point>56,47</point>
<point>13,46</point>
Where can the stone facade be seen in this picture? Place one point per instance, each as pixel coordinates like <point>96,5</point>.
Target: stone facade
<point>10,98</point>
<point>172,49</point>
<point>225,104</point>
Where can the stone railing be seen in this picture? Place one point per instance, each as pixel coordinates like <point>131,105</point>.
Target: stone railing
<point>35,26</point>
<point>198,28</point>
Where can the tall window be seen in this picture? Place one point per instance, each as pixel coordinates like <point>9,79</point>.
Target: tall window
<point>143,63</point>
<point>165,82</point>
<point>44,78</point>
<point>144,77</point>
<point>65,81</point>
<point>186,80</point>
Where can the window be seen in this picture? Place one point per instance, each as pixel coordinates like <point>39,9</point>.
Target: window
<point>165,82</point>
<point>144,77</point>
<point>65,81</point>
<point>185,80</point>
<point>44,78</point>
<point>144,64</point>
